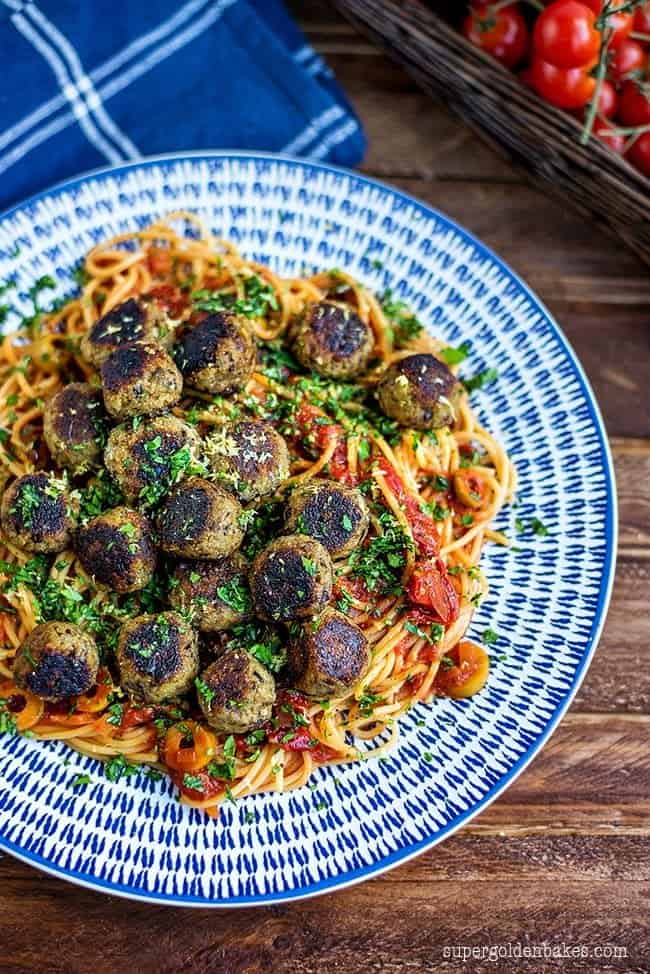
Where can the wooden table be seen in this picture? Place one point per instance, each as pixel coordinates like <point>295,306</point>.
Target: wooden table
<point>562,857</point>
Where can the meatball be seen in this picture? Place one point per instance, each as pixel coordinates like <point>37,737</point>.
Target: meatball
<point>215,591</point>
<point>291,579</point>
<point>158,657</point>
<point>57,660</point>
<point>331,339</point>
<point>132,321</point>
<point>329,656</point>
<point>75,426</point>
<point>117,550</point>
<point>250,458</point>
<point>38,514</point>
<point>218,354</point>
<point>147,460</point>
<point>200,520</point>
<point>140,379</point>
<point>419,391</point>
<point>236,693</point>
<point>335,515</point>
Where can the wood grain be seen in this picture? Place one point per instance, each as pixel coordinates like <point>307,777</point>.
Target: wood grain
<point>563,855</point>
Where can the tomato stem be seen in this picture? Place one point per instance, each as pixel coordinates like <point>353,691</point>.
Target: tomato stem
<point>601,71</point>
<point>610,9</point>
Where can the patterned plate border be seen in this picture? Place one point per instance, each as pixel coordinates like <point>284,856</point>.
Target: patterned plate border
<point>604,459</point>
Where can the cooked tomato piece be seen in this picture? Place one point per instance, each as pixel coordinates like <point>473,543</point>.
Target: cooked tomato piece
<point>466,673</point>
<point>425,533</point>
<point>431,587</point>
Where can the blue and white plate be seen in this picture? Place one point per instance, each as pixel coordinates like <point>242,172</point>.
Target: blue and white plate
<point>547,601</point>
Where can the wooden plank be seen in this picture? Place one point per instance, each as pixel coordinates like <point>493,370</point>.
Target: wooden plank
<point>399,922</point>
<point>618,679</point>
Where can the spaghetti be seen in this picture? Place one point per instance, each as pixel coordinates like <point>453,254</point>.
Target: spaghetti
<point>411,587</point>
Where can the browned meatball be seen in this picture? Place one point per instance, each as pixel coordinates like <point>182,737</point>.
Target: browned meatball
<point>250,458</point>
<point>158,657</point>
<point>291,579</point>
<point>117,550</point>
<point>218,354</point>
<point>75,427</point>
<point>57,660</point>
<point>38,513</point>
<point>331,339</point>
<point>200,520</point>
<point>335,515</point>
<point>328,656</point>
<point>216,592</point>
<point>419,391</point>
<point>147,458</point>
<point>140,379</point>
<point>236,693</point>
<point>133,320</point>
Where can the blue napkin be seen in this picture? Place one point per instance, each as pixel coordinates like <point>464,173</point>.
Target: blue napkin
<point>98,82</point>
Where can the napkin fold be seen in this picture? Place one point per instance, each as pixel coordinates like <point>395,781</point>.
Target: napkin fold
<point>101,82</point>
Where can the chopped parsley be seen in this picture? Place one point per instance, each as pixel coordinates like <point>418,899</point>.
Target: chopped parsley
<point>480,380</point>
<point>225,769</point>
<point>236,594</point>
<point>454,356</point>
<point>260,641</point>
<point>81,781</point>
<point>205,692</point>
<point>380,562</point>
<point>259,298</point>
<point>490,637</point>
<point>404,325</point>
<point>538,528</point>
<point>367,702</point>
<point>193,781</point>
<point>118,767</point>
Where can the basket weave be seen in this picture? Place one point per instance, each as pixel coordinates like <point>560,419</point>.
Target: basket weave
<point>533,134</point>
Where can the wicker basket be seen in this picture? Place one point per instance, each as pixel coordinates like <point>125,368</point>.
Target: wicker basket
<point>533,134</point>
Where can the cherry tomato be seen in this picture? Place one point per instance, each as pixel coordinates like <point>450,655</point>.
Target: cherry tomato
<point>25,708</point>
<point>595,5</point>
<point>159,260</point>
<point>565,35</point>
<point>607,100</point>
<point>182,756</point>
<point>615,142</point>
<point>467,673</point>
<point>564,88</point>
<point>634,106</point>
<point>629,56</point>
<point>639,154</point>
<point>642,19</point>
<point>170,298</point>
<point>425,532</point>
<point>208,786</point>
<point>621,25</point>
<point>502,33</point>
<point>431,587</point>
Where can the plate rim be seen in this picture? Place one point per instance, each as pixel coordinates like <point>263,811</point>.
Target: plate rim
<point>400,856</point>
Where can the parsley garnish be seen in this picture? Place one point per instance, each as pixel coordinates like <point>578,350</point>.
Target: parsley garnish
<point>81,781</point>
<point>118,767</point>
<point>490,637</point>
<point>235,594</point>
<point>453,356</point>
<point>480,380</point>
<point>403,322</point>
<point>206,693</point>
<point>259,299</point>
